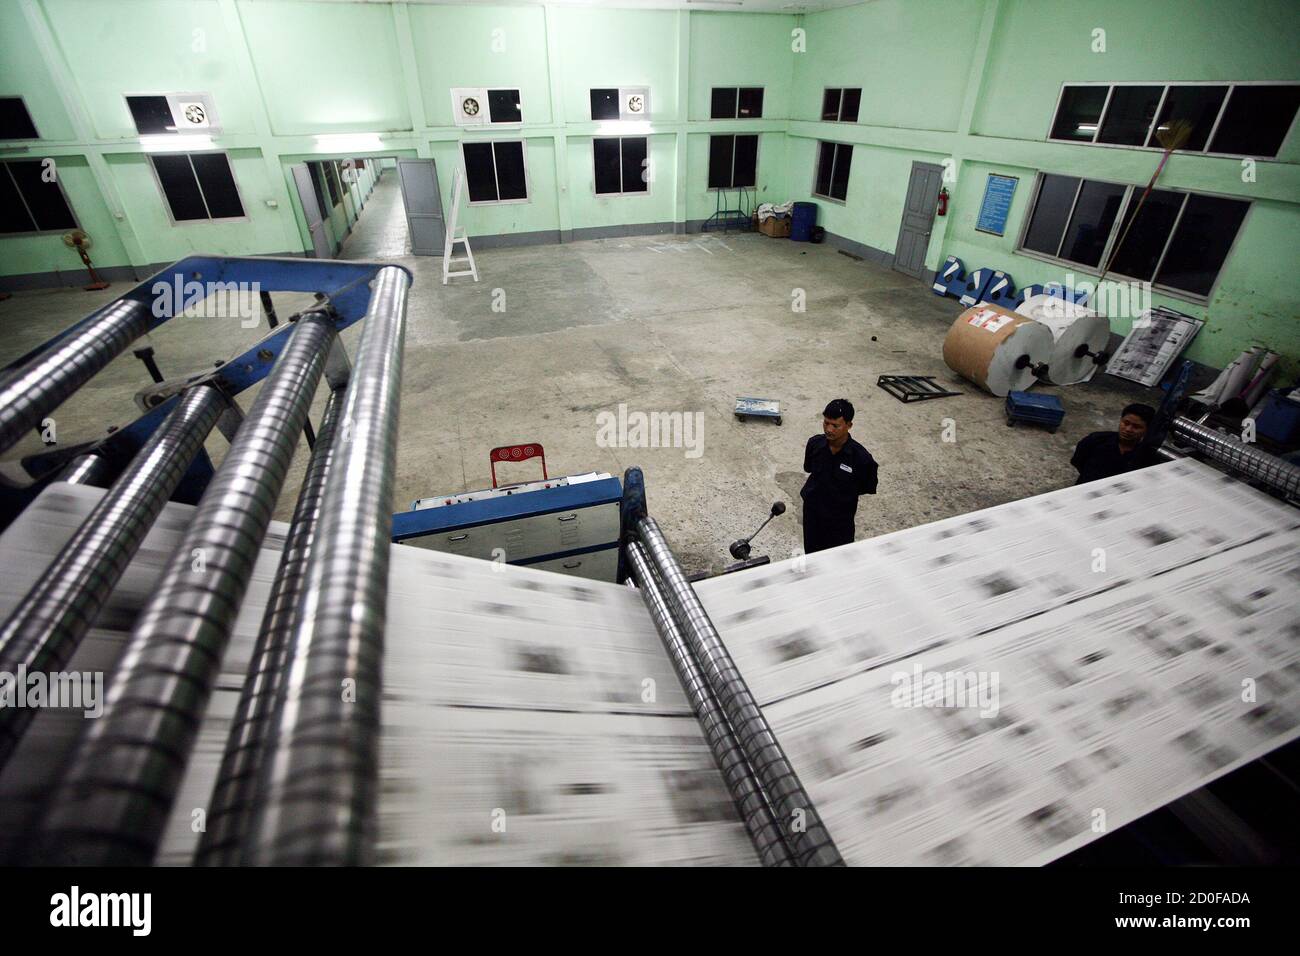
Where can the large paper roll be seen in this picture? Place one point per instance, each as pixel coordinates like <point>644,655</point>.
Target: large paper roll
<point>996,349</point>
<point>1071,325</point>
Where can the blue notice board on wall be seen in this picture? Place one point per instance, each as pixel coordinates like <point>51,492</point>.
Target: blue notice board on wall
<point>997,204</point>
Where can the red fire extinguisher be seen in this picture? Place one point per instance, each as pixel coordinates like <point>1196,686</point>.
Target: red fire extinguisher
<point>943,202</point>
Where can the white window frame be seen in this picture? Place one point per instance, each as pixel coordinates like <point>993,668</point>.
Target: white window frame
<point>167,205</point>
<point>496,181</point>
<point>22,99</point>
<point>839,112</point>
<point>1131,194</point>
<point>834,161</point>
<point>457,92</point>
<point>757,155</point>
<point>76,222</point>
<point>209,103</point>
<point>623,117</point>
<point>649,183</point>
<point>1205,151</point>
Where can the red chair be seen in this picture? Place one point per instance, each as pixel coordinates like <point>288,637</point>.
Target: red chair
<point>520,452</point>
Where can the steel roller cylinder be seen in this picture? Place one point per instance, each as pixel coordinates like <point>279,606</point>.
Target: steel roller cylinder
<point>737,774</point>
<point>49,623</point>
<point>801,825</point>
<point>230,808</point>
<point>316,797</point>
<point>47,380</point>
<point>114,800</point>
<point>1277,473</point>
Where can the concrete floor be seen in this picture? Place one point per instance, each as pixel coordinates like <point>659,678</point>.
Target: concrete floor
<point>667,324</point>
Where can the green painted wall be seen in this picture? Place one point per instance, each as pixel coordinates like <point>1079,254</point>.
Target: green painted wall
<point>969,82</point>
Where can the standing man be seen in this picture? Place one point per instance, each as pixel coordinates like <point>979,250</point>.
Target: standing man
<point>839,470</point>
<point>1103,454</point>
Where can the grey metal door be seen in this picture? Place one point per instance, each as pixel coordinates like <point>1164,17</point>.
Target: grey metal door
<point>423,202</point>
<point>320,241</point>
<point>918,218</point>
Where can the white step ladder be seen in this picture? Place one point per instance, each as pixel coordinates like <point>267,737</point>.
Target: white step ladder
<point>456,234</point>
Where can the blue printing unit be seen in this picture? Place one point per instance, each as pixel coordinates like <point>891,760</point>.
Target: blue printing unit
<point>598,502</point>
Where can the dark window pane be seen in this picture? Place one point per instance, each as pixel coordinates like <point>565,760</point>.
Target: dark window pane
<point>720,150</point>
<point>831,105</point>
<point>605,159</point>
<point>746,166</point>
<point>13,215</point>
<point>503,106</point>
<point>45,200</point>
<point>750,102</point>
<point>218,185</point>
<point>635,152</point>
<point>1055,196</point>
<point>1129,115</point>
<point>1079,113</point>
<point>1198,105</point>
<point>1089,228</point>
<point>604,104</point>
<point>1201,243</point>
<point>849,106</point>
<point>332,182</point>
<point>14,121</point>
<point>1138,256</point>
<point>180,187</point>
<point>480,179</point>
<point>840,177</point>
<point>1256,120</point>
<point>724,103</point>
<point>825,163</point>
<point>511,179</point>
<point>151,114</point>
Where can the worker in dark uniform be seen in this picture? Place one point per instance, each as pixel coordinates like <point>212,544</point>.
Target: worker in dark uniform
<point>1103,454</point>
<point>839,470</point>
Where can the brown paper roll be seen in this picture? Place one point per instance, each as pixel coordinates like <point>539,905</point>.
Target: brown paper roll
<point>985,343</point>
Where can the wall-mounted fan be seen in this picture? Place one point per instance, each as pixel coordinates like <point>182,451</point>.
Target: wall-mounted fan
<point>469,106</point>
<point>79,240</point>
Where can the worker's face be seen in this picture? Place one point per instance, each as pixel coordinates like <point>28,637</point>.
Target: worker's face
<point>835,429</point>
<point>1132,429</point>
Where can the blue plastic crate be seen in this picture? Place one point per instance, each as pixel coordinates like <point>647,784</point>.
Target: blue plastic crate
<point>1039,409</point>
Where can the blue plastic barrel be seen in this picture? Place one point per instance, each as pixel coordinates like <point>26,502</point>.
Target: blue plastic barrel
<point>802,221</point>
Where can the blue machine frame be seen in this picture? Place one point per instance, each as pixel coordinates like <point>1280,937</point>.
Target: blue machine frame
<point>346,292</point>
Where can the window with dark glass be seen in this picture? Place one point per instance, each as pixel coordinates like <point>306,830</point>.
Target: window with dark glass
<point>604,104</point>
<point>495,172</point>
<point>1079,114</point>
<point>841,105</point>
<point>620,164</point>
<point>198,186</point>
<point>1255,120</point>
<point>733,161</point>
<point>152,114</point>
<point>15,121</point>
<point>833,163</point>
<point>728,102</point>
<point>30,201</point>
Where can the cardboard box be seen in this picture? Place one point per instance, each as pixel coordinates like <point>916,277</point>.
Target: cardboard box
<point>776,228</point>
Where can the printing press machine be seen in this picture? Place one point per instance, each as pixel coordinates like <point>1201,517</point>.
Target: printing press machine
<point>225,639</point>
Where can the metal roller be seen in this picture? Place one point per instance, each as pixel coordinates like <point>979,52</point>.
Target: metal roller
<point>737,774</point>
<point>315,800</point>
<point>46,381</point>
<point>48,624</point>
<point>804,832</point>
<point>89,469</point>
<point>1275,472</point>
<point>113,802</point>
<point>230,808</point>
